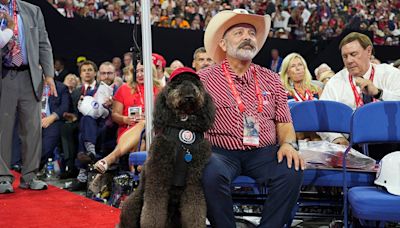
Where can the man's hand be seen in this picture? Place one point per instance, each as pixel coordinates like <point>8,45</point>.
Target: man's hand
<point>108,103</point>
<point>47,121</point>
<point>341,141</point>
<point>50,81</point>
<point>367,87</point>
<point>8,18</point>
<point>286,150</point>
<point>70,117</point>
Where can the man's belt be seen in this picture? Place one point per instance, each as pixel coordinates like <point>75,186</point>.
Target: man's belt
<point>17,68</point>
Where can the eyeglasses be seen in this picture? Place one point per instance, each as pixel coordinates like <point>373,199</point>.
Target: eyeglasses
<point>107,73</point>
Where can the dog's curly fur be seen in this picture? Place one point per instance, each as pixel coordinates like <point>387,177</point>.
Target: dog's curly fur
<point>157,203</point>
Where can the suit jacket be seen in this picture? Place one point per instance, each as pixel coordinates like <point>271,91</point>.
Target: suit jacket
<point>278,66</point>
<point>61,76</point>
<point>62,103</point>
<point>38,47</point>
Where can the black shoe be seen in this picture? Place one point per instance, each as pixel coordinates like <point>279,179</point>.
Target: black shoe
<point>16,168</point>
<point>68,174</point>
<point>77,186</point>
<point>86,158</point>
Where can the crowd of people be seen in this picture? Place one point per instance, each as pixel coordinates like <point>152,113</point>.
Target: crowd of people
<point>291,19</point>
<point>84,139</point>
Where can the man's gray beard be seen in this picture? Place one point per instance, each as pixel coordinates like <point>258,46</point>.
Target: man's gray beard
<point>241,54</point>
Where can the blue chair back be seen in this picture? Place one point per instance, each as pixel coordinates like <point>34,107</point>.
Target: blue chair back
<point>322,116</point>
<point>377,122</point>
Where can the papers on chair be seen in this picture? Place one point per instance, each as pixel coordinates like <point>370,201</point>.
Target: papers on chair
<point>104,92</point>
<point>323,154</point>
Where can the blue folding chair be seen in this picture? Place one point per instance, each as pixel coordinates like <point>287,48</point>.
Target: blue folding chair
<point>327,116</point>
<point>373,123</point>
<point>137,159</point>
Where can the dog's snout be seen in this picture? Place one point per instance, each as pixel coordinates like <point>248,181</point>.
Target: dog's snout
<point>189,98</point>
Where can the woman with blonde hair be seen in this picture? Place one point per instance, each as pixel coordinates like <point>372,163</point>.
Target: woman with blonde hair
<point>296,79</point>
<point>128,109</point>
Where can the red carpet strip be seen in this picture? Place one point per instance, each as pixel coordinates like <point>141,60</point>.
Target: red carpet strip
<point>53,207</point>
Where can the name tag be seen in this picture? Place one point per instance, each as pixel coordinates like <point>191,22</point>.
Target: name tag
<point>251,131</point>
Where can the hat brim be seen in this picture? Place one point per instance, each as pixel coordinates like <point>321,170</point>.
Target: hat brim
<point>221,22</point>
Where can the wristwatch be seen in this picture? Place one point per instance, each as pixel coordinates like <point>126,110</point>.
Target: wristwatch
<point>293,144</point>
<point>379,94</point>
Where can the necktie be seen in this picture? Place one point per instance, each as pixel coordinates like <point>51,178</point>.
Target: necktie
<point>16,53</point>
<point>88,90</point>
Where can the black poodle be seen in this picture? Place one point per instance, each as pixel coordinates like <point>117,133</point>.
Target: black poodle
<point>170,192</point>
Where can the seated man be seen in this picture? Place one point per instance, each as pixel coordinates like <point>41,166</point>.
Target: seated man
<point>361,82</point>
<point>92,129</point>
<point>244,92</point>
<point>53,109</point>
<point>201,59</point>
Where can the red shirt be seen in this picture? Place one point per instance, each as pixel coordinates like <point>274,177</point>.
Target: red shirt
<point>227,131</point>
<point>127,99</point>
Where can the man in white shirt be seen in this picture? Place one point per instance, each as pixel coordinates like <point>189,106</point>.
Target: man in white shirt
<point>360,81</point>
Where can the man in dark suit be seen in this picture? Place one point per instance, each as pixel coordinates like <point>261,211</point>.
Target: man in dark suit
<point>51,123</point>
<point>96,134</point>
<point>70,130</point>
<point>59,70</point>
<point>276,61</point>
<point>26,57</point>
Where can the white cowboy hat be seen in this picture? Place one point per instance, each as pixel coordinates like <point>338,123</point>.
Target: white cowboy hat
<point>224,20</point>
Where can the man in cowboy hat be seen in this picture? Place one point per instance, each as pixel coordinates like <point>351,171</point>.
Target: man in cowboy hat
<point>244,92</point>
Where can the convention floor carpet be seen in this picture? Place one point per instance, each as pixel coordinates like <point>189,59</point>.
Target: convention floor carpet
<point>53,207</point>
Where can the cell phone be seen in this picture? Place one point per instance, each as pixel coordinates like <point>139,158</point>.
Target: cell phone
<point>134,111</point>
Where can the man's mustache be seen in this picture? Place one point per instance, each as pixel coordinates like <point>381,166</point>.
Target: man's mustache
<point>247,43</point>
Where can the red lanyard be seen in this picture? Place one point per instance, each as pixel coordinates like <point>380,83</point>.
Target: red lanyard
<point>359,101</point>
<point>236,93</point>
<point>298,97</point>
<point>140,96</point>
<point>13,10</point>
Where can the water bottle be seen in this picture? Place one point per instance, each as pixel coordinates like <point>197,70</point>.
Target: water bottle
<point>57,162</point>
<point>50,169</point>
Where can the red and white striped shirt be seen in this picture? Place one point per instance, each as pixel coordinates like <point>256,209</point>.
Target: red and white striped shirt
<point>227,131</point>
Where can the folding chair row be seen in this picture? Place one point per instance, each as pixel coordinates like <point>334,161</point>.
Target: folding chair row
<point>372,123</point>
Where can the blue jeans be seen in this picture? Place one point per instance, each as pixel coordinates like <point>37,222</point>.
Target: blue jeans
<point>260,164</point>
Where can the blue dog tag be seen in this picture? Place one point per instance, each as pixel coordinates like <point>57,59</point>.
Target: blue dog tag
<point>188,157</point>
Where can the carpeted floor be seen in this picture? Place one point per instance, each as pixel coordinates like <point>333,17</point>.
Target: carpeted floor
<point>53,207</point>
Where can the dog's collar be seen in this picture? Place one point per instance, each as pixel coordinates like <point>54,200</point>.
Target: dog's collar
<point>186,137</point>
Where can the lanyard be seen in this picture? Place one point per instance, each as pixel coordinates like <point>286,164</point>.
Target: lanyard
<point>236,93</point>
<point>13,11</point>
<point>140,96</point>
<point>359,101</point>
<point>299,97</point>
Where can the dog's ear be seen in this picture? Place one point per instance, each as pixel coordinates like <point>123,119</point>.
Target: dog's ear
<point>161,113</point>
<point>208,111</point>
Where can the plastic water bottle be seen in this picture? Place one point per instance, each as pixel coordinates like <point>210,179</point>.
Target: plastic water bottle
<point>50,174</point>
<point>57,162</point>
